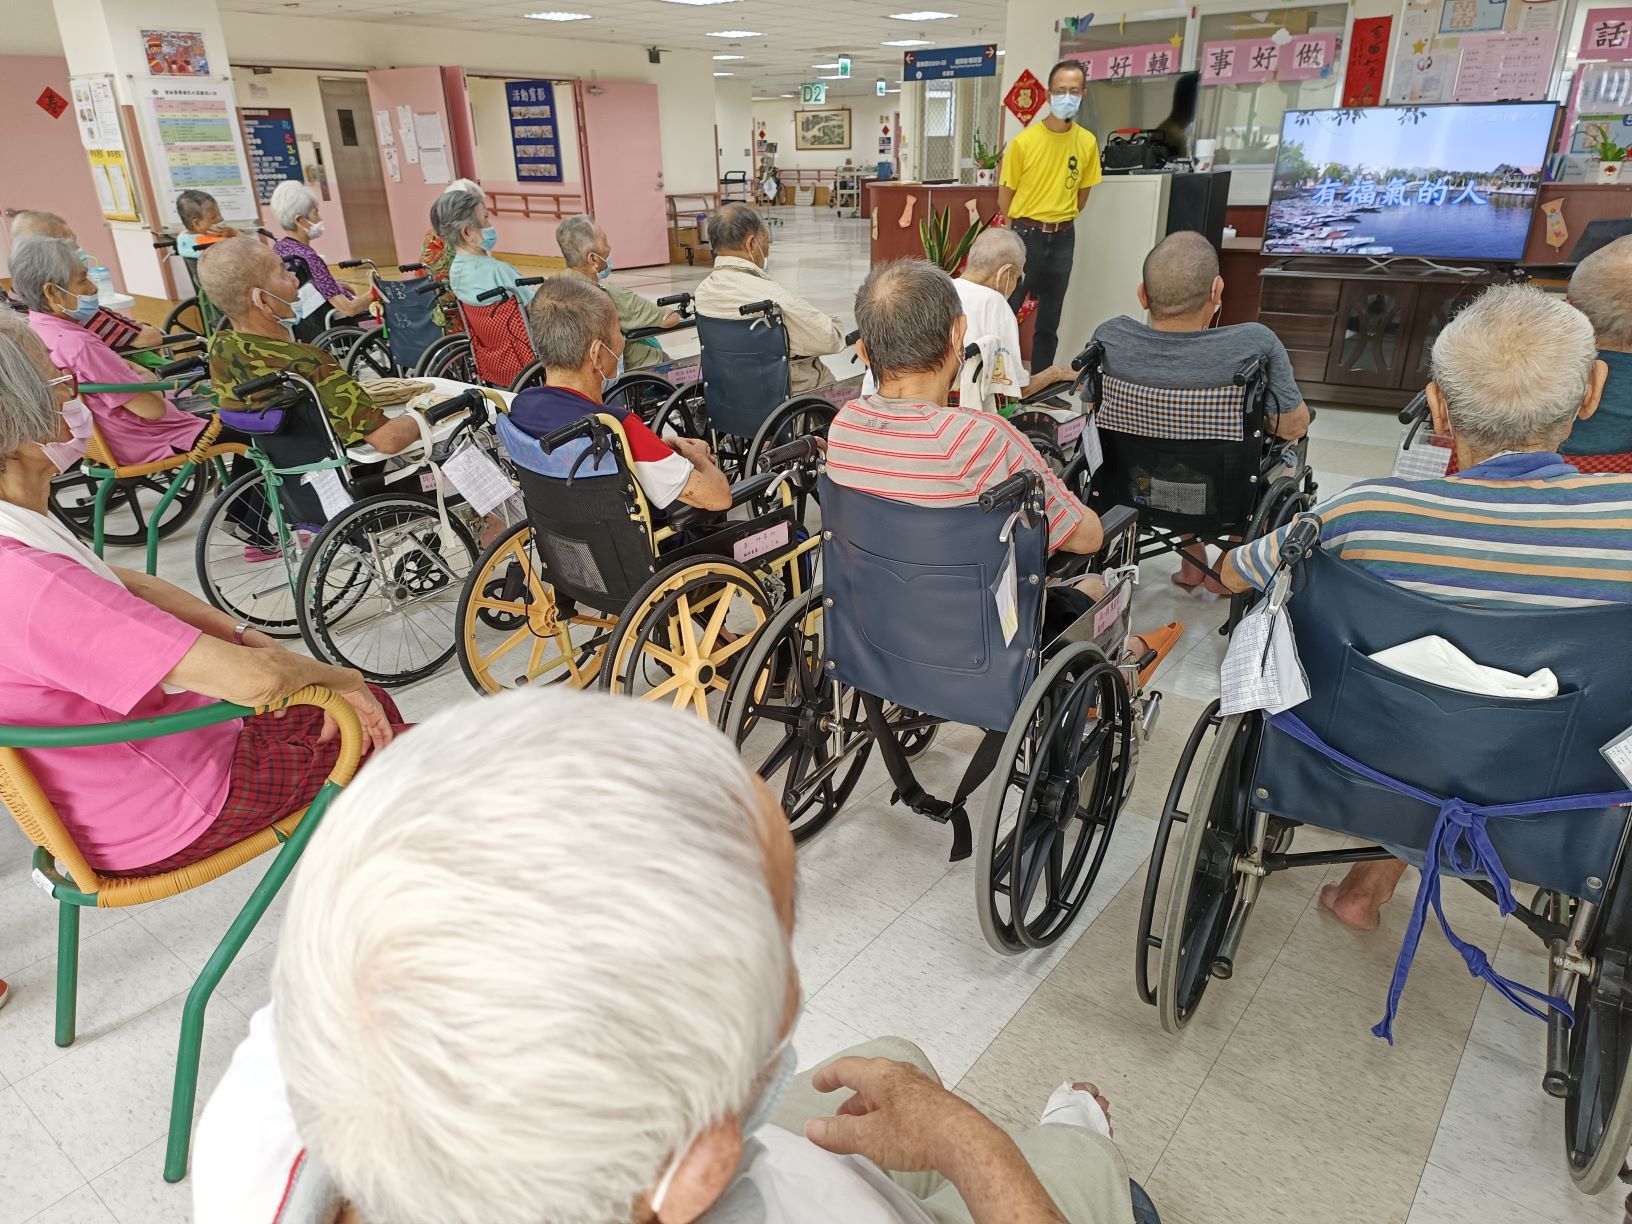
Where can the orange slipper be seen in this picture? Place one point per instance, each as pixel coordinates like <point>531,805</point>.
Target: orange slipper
<point>1162,642</point>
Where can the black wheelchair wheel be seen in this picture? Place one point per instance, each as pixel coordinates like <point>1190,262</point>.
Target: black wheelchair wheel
<point>640,392</point>
<point>1052,806</point>
<point>795,418</point>
<point>682,414</point>
<point>915,732</point>
<point>130,505</point>
<point>249,583</point>
<point>449,357</point>
<point>380,586</point>
<point>187,316</point>
<point>339,340</point>
<point>785,717</point>
<point>682,635</point>
<point>370,357</point>
<point>1172,813</point>
<point>1598,1100</point>
<point>532,376</point>
<point>1208,894</point>
<point>513,633</point>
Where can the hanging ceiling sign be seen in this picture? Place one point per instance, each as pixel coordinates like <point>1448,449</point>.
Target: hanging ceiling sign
<point>949,62</point>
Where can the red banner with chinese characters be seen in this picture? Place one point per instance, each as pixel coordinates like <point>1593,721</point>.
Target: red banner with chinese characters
<point>1025,97</point>
<point>1368,58</point>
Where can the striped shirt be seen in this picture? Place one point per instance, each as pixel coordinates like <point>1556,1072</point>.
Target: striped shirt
<point>1518,530</point>
<point>929,455</point>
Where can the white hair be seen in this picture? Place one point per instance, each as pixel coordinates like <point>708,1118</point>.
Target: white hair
<point>467,185</point>
<point>38,262</point>
<point>1514,367</point>
<point>292,200</point>
<point>530,953</point>
<point>995,247</point>
<point>27,411</point>
<point>576,238</point>
<point>1601,289</point>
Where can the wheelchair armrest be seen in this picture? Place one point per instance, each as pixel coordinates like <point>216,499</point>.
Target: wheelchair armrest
<point>1117,520</point>
<point>750,488</point>
<point>688,518</point>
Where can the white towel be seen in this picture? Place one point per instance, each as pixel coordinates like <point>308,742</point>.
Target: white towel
<point>1440,662</point>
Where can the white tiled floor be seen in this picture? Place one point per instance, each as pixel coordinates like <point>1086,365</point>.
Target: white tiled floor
<point>1275,1105</point>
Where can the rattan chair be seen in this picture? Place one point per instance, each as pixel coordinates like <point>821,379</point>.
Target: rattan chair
<point>60,868</point>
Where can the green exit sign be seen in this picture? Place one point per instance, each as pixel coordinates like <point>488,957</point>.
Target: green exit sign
<point>881,87</point>
<point>844,65</point>
<point>813,93</point>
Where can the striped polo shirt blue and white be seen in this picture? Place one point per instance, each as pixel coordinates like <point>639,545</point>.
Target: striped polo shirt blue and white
<point>1518,530</point>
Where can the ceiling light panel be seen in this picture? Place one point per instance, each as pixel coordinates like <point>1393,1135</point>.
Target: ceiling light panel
<point>735,34</point>
<point>557,16</point>
<point>926,16</point>
<point>906,42</point>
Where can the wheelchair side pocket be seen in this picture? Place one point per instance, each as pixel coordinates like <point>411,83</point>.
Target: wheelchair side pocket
<point>1486,748</point>
<point>929,624</point>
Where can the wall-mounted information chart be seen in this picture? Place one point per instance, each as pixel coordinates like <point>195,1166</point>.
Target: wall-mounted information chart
<point>194,141</point>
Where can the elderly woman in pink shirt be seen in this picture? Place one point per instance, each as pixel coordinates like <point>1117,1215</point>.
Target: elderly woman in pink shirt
<point>88,643</point>
<point>138,426</point>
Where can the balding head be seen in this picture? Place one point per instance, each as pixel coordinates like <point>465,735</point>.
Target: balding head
<point>31,223</point>
<point>730,229</point>
<point>1179,275</point>
<point>910,318</point>
<point>232,267</point>
<point>1601,289</point>
<point>994,248</point>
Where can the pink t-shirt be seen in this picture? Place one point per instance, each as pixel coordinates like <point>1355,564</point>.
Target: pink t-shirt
<point>80,649</point>
<point>132,439</point>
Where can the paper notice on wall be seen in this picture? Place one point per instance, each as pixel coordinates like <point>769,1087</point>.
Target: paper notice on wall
<point>393,168</point>
<point>405,132</point>
<point>433,164</point>
<point>1539,16</point>
<point>1505,67</point>
<point>382,125</point>
<point>1413,38</point>
<point>428,130</point>
<point>1431,76</point>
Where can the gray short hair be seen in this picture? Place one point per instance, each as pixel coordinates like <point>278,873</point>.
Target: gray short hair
<point>731,227</point>
<point>453,213</point>
<point>530,954</point>
<point>1179,274</point>
<point>1514,367</point>
<point>905,311</point>
<point>292,200</point>
<point>995,247</point>
<point>1601,288</point>
<point>27,411</point>
<point>229,269</point>
<point>565,318</point>
<point>576,238</point>
<point>38,262</point>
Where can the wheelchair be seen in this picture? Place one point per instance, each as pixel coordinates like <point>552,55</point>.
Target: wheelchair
<point>494,350</point>
<point>195,315</point>
<point>594,589</point>
<point>1198,463</point>
<point>407,327</point>
<point>907,631</point>
<point>346,558</point>
<point>742,404</point>
<point>105,502</point>
<point>1525,795</point>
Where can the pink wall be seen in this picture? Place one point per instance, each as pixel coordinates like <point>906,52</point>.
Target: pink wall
<point>42,163</point>
<point>410,200</point>
<point>532,235</point>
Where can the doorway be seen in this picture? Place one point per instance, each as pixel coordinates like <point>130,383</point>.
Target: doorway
<point>354,161</point>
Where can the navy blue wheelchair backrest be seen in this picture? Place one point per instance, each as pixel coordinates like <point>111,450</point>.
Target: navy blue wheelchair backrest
<point>745,371</point>
<point>1483,749</point>
<point>410,320</point>
<point>909,611</point>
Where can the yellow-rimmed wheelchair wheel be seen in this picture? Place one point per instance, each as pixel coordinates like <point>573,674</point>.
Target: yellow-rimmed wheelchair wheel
<point>685,632</point>
<point>511,630</point>
<point>1209,901</point>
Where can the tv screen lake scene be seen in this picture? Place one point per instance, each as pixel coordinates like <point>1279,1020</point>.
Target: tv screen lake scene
<point>1427,181</point>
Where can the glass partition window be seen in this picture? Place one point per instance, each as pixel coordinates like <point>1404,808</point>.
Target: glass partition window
<point>1134,102</point>
<point>1246,119</point>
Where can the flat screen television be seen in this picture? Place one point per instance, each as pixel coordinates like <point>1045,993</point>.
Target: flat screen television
<point>1437,182</point>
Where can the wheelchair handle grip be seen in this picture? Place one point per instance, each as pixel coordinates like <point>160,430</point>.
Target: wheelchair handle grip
<point>255,386</point>
<point>1093,353</point>
<point>1016,488</point>
<point>164,244</point>
<point>493,294</point>
<point>1301,540</point>
<point>797,451</point>
<point>355,263</point>
<point>971,350</point>
<point>1416,410</point>
<point>682,300</point>
<point>413,267</point>
<point>1251,369</point>
<point>557,437</point>
<point>764,307</point>
<point>430,286</point>
<point>852,337</point>
<point>182,365</point>
<point>532,280</point>
<point>463,401</point>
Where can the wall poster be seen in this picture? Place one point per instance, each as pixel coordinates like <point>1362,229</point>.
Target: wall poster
<point>535,132</point>
<point>193,141</point>
<point>96,113</point>
<point>175,53</point>
<point>269,139</point>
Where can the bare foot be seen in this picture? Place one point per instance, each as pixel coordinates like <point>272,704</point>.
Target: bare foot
<point>1353,909</point>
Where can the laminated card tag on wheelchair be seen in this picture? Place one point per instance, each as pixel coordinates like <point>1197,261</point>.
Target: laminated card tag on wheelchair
<point>480,481</point>
<point>331,493</point>
<point>1261,669</point>
<point>1618,752</point>
<point>1006,587</point>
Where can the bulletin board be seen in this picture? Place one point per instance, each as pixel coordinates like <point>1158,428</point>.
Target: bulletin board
<point>96,114</point>
<point>535,131</point>
<point>1475,50</point>
<point>192,140</point>
<point>269,139</point>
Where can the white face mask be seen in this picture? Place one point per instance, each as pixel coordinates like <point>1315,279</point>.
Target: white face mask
<point>65,455</point>
<point>314,229</point>
<point>288,324</point>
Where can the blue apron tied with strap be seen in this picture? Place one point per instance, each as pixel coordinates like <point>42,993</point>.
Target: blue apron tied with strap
<point>1458,837</point>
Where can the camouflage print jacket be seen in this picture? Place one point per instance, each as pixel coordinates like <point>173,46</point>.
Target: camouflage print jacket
<point>236,358</point>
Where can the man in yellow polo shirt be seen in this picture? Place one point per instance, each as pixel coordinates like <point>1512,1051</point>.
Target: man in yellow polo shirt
<point>1047,172</point>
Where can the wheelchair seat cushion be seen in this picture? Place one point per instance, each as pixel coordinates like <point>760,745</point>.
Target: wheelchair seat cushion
<point>539,411</point>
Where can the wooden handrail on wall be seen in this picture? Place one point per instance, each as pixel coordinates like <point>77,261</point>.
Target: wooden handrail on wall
<point>534,204</point>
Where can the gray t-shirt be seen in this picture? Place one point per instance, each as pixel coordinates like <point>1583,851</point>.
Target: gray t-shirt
<point>1140,354</point>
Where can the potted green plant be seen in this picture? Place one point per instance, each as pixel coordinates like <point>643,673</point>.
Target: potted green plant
<point>935,232</point>
<point>1609,154</point>
<point>986,159</point>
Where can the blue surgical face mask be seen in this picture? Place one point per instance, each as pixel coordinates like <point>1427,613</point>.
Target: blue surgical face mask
<point>85,305</point>
<point>606,267</point>
<point>490,238</point>
<point>1064,105</point>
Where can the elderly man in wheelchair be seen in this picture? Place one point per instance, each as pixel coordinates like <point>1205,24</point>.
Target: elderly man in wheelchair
<point>1466,686</point>
<point>1200,427</point>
